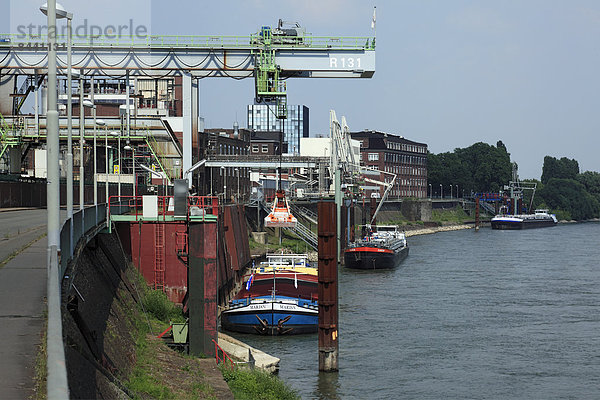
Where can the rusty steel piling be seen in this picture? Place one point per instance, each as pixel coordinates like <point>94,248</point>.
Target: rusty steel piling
<point>328,287</point>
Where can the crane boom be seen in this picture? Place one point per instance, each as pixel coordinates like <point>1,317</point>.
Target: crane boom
<point>389,186</point>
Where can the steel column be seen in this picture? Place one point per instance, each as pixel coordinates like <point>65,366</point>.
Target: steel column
<point>188,122</point>
<point>328,288</point>
<point>202,287</point>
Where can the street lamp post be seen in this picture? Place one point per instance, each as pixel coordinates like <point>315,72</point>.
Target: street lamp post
<point>450,190</point>
<point>224,183</point>
<point>57,378</point>
<point>101,122</point>
<point>430,194</point>
<point>237,170</point>
<point>81,140</point>
<point>128,147</point>
<point>90,104</point>
<point>441,192</point>
<point>118,135</point>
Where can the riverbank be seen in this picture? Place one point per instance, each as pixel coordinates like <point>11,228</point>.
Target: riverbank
<point>436,229</point>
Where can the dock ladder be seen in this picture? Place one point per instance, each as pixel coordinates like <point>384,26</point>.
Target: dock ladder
<point>159,257</point>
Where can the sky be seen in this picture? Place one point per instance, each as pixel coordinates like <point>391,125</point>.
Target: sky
<point>448,73</point>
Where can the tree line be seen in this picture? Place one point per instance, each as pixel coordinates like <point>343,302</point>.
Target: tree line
<point>485,168</point>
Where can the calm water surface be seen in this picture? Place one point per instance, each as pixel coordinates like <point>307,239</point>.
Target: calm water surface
<point>468,315</point>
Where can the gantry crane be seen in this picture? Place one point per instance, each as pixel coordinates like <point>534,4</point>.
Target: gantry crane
<point>270,56</point>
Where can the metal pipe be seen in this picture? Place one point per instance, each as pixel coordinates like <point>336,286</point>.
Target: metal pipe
<point>52,140</point>
<point>134,177</point>
<point>106,161</point>
<point>69,134</point>
<point>119,156</point>
<point>338,213</point>
<point>81,140</point>
<point>37,104</point>
<point>69,130</point>
<point>94,155</point>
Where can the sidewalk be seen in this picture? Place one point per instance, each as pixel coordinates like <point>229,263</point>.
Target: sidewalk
<point>22,319</point>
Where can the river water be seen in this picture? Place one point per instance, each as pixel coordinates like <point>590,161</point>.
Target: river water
<point>468,315</point>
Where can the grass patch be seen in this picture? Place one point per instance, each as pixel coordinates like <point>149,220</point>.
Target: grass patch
<point>256,385</point>
<point>159,372</point>
<point>455,215</point>
<point>41,365</point>
<point>160,307</point>
<point>18,251</point>
<point>141,381</point>
<point>201,390</point>
<point>288,241</point>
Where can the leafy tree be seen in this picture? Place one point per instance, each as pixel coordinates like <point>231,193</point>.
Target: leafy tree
<point>554,168</point>
<point>570,196</point>
<point>480,168</point>
<point>591,181</point>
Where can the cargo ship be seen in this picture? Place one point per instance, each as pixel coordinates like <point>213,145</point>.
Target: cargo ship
<point>280,297</point>
<point>514,214</point>
<point>540,219</point>
<point>383,249</point>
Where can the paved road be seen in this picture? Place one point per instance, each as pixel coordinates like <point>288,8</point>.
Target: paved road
<point>22,298</point>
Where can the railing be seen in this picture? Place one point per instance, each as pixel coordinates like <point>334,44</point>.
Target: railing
<point>306,235</point>
<point>38,42</point>
<point>79,227</point>
<point>300,230</point>
<point>305,212</point>
<point>487,207</point>
<point>224,358</point>
<point>197,206</point>
<point>76,228</point>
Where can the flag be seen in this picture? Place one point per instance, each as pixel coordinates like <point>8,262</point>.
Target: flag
<point>249,283</point>
<point>374,18</point>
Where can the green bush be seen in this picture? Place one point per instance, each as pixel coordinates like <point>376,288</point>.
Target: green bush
<point>256,385</point>
<point>158,305</point>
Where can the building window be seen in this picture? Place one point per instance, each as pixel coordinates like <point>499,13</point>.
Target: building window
<point>265,148</point>
<point>373,157</point>
<point>255,148</point>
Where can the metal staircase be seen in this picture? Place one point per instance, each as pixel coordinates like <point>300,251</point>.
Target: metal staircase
<point>300,230</point>
<point>305,213</point>
<point>6,139</point>
<point>487,207</point>
<point>306,235</point>
<point>158,155</point>
<point>27,87</point>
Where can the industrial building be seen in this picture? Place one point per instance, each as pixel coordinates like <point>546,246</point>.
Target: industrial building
<point>397,155</point>
<point>262,117</point>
